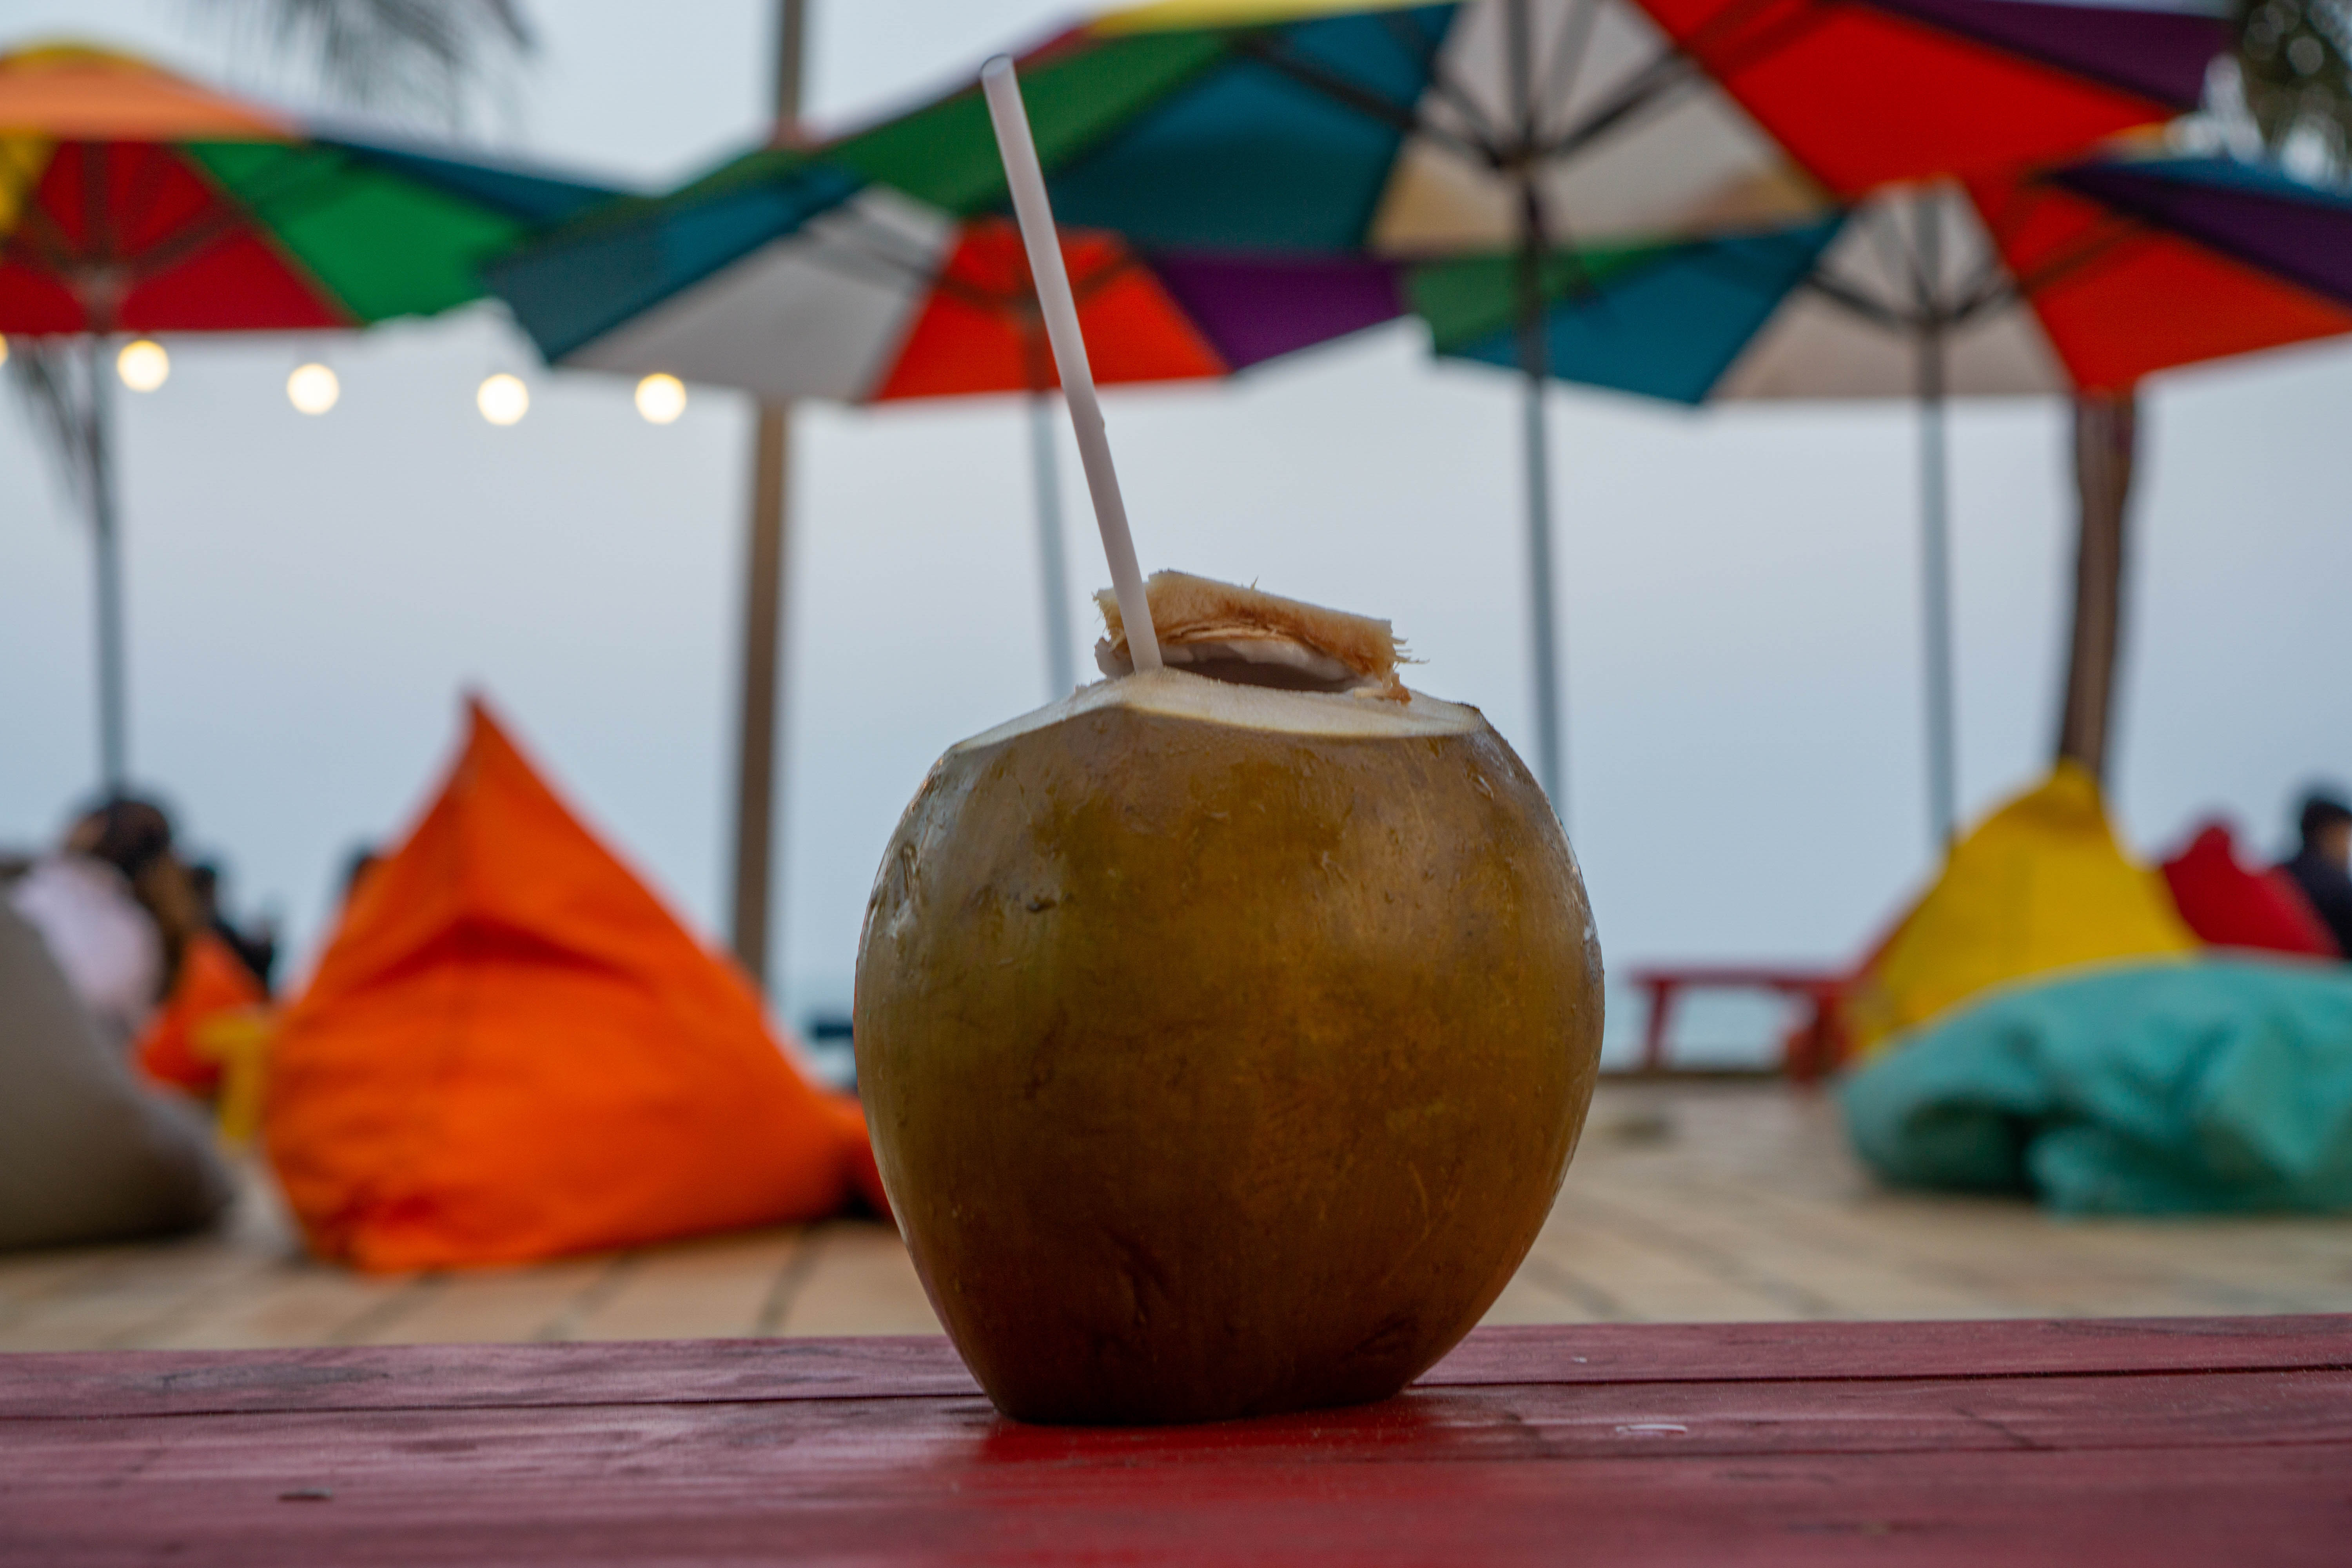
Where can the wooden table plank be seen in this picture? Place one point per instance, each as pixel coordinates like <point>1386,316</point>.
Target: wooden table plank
<point>308,1304</point>
<point>539,1302</point>
<point>1646,1280</point>
<point>134,1296</point>
<point>81,1387</point>
<point>1685,1202</point>
<point>1546,1422</point>
<point>857,1281</point>
<point>2075,1443</point>
<point>1827,1279</point>
<point>2251,1508</point>
<point>715,1287</point>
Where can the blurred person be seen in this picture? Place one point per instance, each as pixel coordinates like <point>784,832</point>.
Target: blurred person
<point>255,943</point>
<point>363,858</point>
<point>2322,867</point>
<point>84,902</point>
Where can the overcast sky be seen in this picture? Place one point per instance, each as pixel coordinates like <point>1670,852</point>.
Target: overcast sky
<point>309,597</point>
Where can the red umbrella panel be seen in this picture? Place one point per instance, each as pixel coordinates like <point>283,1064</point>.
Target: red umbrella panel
<point>979,331</point>
<point>877,301</point>
<point>125,237</point>
<point>2120,298</point>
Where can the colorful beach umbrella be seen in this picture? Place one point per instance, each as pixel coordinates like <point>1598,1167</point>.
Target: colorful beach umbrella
<point>824,288</point>
<point>1987,285</point>
<point>1994,284</point>
<point>134,201</point>
<point>1221,129</point>
<point>1539,128</point>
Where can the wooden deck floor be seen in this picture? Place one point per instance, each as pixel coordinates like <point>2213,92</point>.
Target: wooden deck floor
<point>1686,1203</point>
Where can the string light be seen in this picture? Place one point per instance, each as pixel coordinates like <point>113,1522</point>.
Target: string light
<point>503,399</point>
<point>661,398</point>
<point>313,388</point>
<point>143,365</point>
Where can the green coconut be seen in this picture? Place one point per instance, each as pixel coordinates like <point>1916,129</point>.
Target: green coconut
<point>1224,1044</point>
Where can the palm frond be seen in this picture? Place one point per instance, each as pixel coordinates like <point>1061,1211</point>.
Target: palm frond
<point>45,373</point>
<point>2293,60</point>
<point>403,55</point>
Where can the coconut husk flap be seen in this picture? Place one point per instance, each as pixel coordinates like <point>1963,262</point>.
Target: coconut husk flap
<point>1260,640</point>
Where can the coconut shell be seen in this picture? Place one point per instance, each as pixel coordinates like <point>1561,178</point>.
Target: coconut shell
<point>1224,1048</point>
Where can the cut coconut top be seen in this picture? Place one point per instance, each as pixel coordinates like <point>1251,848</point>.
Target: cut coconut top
<point>1180,694</point>
<point>1241,636</point>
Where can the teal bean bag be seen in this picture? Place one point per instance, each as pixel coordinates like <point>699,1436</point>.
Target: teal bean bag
<point>2160,1089</point>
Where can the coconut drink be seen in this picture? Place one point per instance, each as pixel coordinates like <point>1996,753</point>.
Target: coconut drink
<point>1224,1028</point>
<point>1224,1031</point>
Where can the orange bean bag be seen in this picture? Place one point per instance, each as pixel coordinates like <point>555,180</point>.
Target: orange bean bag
<point>511,1050</point>
<point>2229,904</point>
<point>213,981</point>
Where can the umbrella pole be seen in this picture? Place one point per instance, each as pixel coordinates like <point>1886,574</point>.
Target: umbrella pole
<point>752,931</point>
<point>113,726</point>
<point>2107,426</point>
<point>1052,572</point>
<point>1936,587</point>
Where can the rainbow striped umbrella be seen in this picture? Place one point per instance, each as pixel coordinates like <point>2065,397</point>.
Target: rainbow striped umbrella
<point>133,200</point>
<point>2084,279</point>
<point>1312,130</point>
<point>1995,285</point>
<point>810,284</point>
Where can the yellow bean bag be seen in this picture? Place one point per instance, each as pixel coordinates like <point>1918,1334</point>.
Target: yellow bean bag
<point>2040,885</point>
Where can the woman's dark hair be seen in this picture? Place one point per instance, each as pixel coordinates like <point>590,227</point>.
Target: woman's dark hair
<point>130,833</point>
<point>2321,812</point>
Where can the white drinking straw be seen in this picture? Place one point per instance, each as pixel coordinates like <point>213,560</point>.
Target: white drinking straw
<point>1019,150</point>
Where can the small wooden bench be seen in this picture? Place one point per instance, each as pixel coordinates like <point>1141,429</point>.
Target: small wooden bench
<point>1810,1051</point>
<point>2073,1442</point>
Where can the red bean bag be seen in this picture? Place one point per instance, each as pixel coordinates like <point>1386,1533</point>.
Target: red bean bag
<point>2229,904</point>
<point>512,1051</point>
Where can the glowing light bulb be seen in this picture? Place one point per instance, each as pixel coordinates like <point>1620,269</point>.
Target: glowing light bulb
<point>503,399</point>
<point>312,388</point>
<point>143,366</point>
<point>661,398</point>
<point>4,348</point>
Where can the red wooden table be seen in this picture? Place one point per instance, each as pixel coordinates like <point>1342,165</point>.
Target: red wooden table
<point>2167,1441</point>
